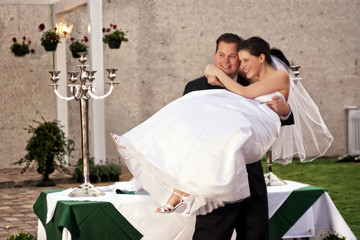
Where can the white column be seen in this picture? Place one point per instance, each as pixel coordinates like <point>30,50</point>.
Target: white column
<point>60,65</point>
<point>96,52</point>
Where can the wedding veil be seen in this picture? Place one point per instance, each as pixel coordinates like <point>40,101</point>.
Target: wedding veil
<point>309,137</point>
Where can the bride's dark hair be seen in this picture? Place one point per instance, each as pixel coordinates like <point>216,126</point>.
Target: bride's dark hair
<point>257,46</point>
<point>280,55</point>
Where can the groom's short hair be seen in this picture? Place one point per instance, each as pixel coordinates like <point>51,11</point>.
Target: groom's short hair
<point>229,38</point>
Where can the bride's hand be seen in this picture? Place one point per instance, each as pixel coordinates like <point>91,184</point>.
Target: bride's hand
<point>211,70</point>
<point>213,73</point>
<point>213,80</point>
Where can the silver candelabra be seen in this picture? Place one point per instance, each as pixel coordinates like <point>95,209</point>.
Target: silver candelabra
<point>270,178</point>
<point>82,91</point>
<point>295,71</point>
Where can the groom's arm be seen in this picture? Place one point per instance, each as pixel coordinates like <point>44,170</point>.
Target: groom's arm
<point>199,84</point>
<point>289,120</point>
<point>195,85</point>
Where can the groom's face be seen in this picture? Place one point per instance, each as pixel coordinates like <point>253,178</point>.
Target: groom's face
<point>227,58</point>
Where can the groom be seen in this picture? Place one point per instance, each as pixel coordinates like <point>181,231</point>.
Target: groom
<point>249,217</point>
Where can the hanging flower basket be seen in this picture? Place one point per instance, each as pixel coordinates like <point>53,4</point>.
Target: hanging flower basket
<point>74,54</point>
<point>78,46</point>
<point>49,39</point>
<point>20,54</point>
<point>21,49</point>
<point>114,43</point>
<point>115,38</point>
<point>50,47</point>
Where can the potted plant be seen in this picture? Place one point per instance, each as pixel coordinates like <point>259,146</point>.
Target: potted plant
<point>93,171</point>
<point>21,49</point>
<point>49,39</point>
<point>77,46</point>
<point>114,172</point>
<point>46,149</point>
<point>104,173</point>
<point>114,39</point>
<point>98,172</point>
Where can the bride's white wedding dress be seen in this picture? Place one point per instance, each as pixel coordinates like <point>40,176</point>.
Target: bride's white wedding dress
<point>200,144</point>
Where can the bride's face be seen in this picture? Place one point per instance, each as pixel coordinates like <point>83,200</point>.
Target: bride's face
<point>227,58</point>
<point>250,64</point>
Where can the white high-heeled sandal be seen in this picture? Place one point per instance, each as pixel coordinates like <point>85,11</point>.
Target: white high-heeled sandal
<point>115,138</point>
<point>179,208</point>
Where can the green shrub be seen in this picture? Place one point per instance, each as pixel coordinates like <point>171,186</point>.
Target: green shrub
<point>46,147</point>
<point>22,236</point>
<point>331,236</point>
<point>104,173</point>
<point>114,172</point>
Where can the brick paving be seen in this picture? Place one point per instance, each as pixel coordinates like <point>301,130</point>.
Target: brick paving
<point>18,193</point>
<point>11,177</point>
<point>16,210</point>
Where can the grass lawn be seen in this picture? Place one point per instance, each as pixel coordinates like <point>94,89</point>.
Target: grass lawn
<point>340,179</point>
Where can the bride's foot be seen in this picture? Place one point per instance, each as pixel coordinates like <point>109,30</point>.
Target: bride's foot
<point>115,138</point>
<point>175,203</point>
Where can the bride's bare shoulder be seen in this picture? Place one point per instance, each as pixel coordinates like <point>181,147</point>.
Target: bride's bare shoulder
<point>282,75</point>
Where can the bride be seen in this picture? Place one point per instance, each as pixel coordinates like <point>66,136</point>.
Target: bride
<point>192,153</point>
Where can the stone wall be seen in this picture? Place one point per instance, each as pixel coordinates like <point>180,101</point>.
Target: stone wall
<point>25,94</point>
<point>170,42</point>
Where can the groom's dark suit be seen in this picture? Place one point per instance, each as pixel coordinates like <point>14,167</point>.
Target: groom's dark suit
<point>250,216</point>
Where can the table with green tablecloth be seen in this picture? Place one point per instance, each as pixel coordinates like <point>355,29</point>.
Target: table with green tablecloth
<point>296,210</point>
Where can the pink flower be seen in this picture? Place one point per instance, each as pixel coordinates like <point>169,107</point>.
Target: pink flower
<point>86,39</point>
<point>103,29</point>
<point>41,27</point>
<point>24,38</point>
<point>51,36</point>
<point>114,26</point>
<point>14,39</point>
<point>108,29</point>
<point>72,39</point>
<point>32,50</point>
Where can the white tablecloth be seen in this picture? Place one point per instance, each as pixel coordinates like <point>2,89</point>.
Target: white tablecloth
<point>319,218</point>
<point>139,210</point>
